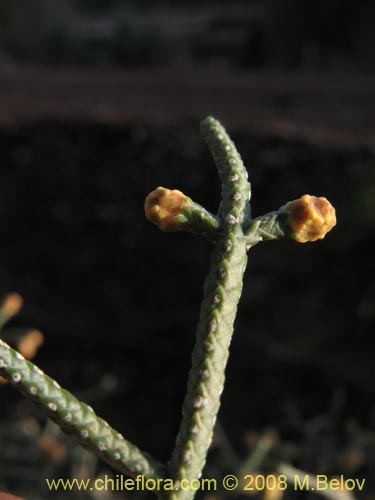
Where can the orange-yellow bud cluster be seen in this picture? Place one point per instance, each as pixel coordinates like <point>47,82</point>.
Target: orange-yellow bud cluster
<point>310,218</point>
<point>162,205</point>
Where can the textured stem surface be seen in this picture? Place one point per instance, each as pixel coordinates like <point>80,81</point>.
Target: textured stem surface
<point>235,186</point>
<point>75,417</point>
<point>221,295</point>
<point>198,220</point>
<point>271,226</point>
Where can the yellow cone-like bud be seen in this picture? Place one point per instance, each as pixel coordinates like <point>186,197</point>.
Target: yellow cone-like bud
<point>162,205</point>
<point>310,218</point>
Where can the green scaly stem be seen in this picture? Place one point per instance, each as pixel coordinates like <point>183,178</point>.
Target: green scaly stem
<point>271,226</point>
<point>221,295</point>
<point>75,417</point>
<point>196,219</point>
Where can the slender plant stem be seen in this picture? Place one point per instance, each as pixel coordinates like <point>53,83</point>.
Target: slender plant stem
<point>221,295</point>
<point>234,233</point>
<point>75,417</point>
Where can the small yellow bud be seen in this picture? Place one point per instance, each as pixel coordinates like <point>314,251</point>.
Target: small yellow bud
<point>162,205</point>
<point>310,218</point>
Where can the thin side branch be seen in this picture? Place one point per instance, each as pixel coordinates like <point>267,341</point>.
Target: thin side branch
<point>75,417</point>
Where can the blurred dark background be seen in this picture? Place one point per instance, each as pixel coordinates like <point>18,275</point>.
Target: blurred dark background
<point>100,102</point>
<point>249,34</point>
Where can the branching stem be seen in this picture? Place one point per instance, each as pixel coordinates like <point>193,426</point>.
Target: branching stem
<point>234,233</point>
<point>221,295</point>
<point>75,417</point>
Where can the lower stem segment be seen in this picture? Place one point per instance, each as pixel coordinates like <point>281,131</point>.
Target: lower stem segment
<point>206,379</point>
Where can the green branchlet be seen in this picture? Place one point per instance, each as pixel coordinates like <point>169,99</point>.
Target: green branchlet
<point>271,226</point>
<point>75,417</point>
<point>196,219</point>
<point>221,295</point>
